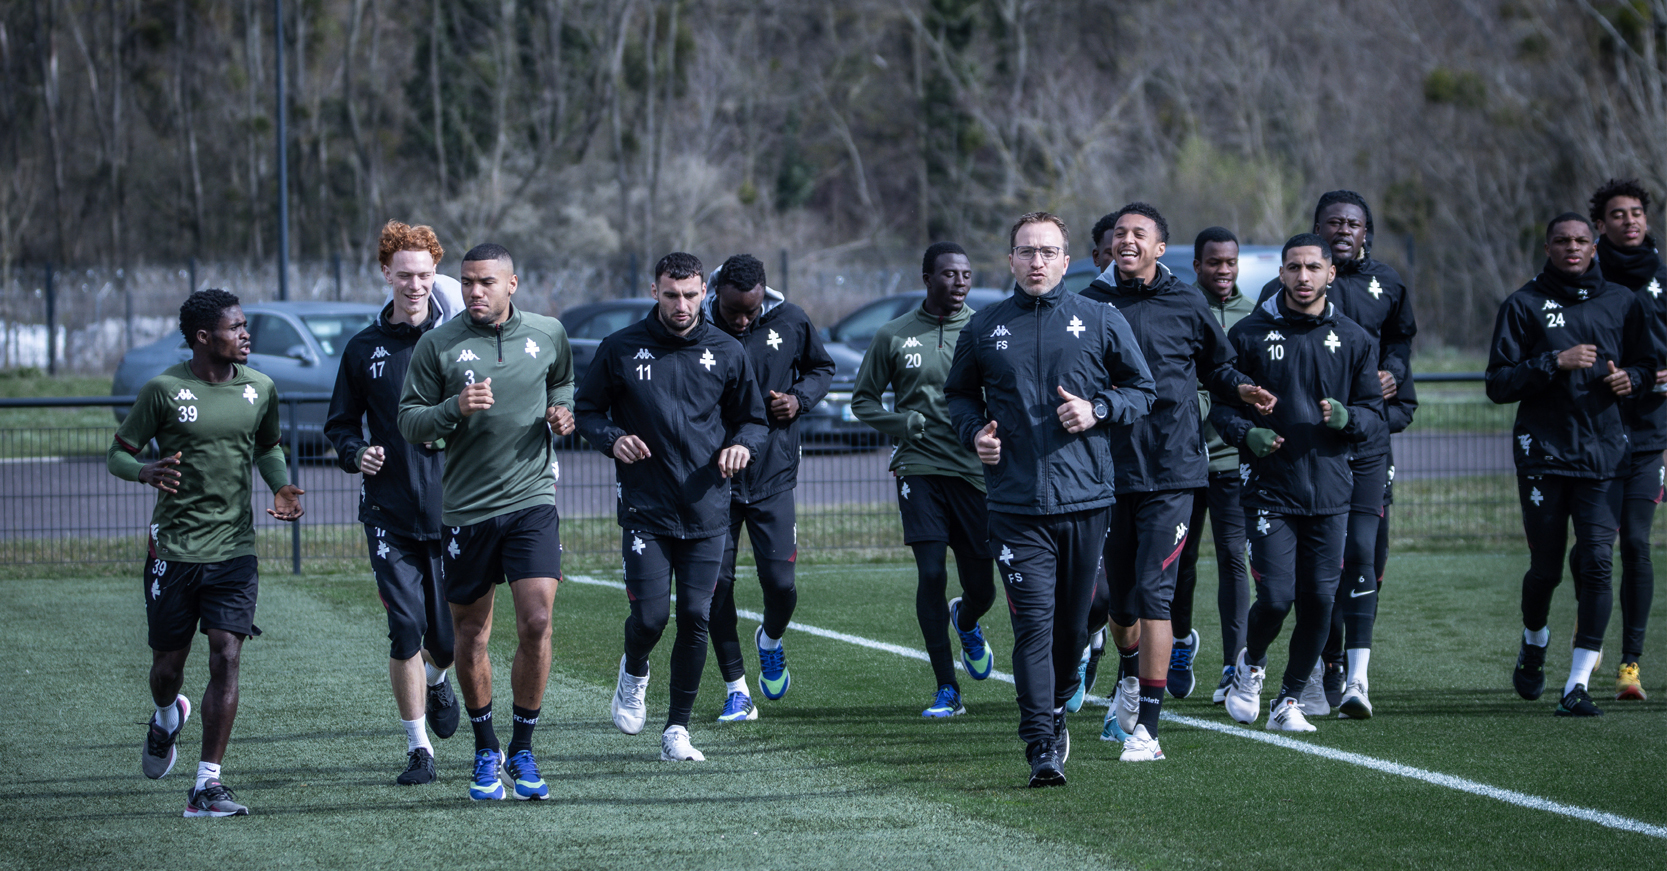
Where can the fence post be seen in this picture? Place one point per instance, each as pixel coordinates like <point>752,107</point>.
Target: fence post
<point>294,478</point>
<point>782,281</point>
<point>127,312</point>
<point>336,259</point>
<point>193,288</point>
<point>51,323</point>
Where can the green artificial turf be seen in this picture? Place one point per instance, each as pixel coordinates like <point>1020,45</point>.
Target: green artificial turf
<point>843,772</point>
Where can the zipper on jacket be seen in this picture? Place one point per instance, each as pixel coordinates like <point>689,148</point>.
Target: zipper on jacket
<point>1047,498</point>
<point>499,330</point>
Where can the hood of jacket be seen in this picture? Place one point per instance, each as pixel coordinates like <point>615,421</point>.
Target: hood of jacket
<point>709,306</point>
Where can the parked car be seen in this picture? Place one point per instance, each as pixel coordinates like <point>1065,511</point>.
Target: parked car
<point>296,344</point>
<point>1258,265</point>
<point>587,325</point>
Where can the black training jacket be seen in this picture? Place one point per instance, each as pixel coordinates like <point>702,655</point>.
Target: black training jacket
<point>1302,359</point>
<point>1569,423</point>
<point>404,496</point>
<point>787,356</point>
<point>1641,271</point>
<point>687,397</point>
<point>1010,360</point>
<point>1183,344</point>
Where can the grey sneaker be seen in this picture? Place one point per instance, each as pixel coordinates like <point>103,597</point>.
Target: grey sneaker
<point>213,800</point>
<point>157,759</point>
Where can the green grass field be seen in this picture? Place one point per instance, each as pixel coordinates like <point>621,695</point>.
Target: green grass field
<point>841,773</point>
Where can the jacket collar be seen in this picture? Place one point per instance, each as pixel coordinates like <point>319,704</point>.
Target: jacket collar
<point>1163,280</point>
<point>508,326</point>
<point>933,320</point>
<point>1566,289</point>
<point>1276,309</point>
<point>1633,267</point>
<point>1051,299</point>
<point>665,336</point>
<point>386,323</point>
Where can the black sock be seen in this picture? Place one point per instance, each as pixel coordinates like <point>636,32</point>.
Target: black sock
<point>1128,664</point>
<point>1151,704</point>
<point>523,721</point>
<point>486,738</point>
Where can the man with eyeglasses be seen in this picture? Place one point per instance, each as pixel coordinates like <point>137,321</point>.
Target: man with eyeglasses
<point>1034,381</point>
<point>1160,461</point>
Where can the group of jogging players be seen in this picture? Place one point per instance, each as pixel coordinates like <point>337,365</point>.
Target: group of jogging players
<point>1070,443</point>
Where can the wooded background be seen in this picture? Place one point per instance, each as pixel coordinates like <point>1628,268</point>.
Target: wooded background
<point>598,135</point>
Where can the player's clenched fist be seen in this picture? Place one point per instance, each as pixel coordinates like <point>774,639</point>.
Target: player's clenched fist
<point>475,397</point>
<point>989,447</point>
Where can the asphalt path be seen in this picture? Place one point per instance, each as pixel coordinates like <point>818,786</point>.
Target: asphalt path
<point>78,497</point>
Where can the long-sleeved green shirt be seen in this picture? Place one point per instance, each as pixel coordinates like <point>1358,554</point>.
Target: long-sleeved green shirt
<point>911,355</point>
<point>499,459</point>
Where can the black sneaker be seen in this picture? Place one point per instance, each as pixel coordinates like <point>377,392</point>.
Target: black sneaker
<point>1334,680</point>
<point>442,709</point>
<point>1577,704</point>
<point>419,768</point>
<point>1094,656</point>
<point>1046,769</point>
<point>213,800</point>
<point>1529,676</point>
<point>1061,738</point>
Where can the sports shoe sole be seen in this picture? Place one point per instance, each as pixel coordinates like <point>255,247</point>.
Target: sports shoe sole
<point>1354,708</point>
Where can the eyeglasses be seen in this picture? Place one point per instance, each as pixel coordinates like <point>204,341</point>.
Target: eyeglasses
<point>1048,253</point>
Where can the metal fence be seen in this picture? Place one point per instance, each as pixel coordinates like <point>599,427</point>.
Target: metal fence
<point>1454,488</point>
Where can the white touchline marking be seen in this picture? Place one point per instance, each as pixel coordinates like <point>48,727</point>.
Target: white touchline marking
<point>1509,796</point>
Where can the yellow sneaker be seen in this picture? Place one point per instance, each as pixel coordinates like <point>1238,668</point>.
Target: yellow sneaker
<point>1627,685</point>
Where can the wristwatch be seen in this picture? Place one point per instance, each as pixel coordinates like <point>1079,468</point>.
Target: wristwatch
<point>1100,409</point>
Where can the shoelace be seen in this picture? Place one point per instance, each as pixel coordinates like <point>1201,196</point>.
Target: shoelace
<point>945,699</point>
<point>1180,658</point>
<point>632,691</point>
<point>526,768</point>
<point>773,662</point>
<point>736,703</point>
<point>213,792</point>
<point>486,766</point>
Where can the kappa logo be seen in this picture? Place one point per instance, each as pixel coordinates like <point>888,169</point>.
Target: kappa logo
<point>1654,287</point>
<point>1000,330</point>
<point>1549,305</point>
<point>250,394</point>
<point>532,349</point>
<point>774,340</point>
<point>1006,555</point>
<point>185,395</point>
<point>636,544</point>
<point>379,353</point>
<point>453,548</point>
<point>466,356</point>
<point>1525,440</point>
<point>642,354</point>
<point>912,343</point>
<point>382,549</point>
<point>1274,336</point>
<point>905,490</point>
<point>707,360</point>
<point>1075,328</point>
<point>1535,496</point>
<point>1332,343</point>
<point>1375,289</point>
<point>1180,532</point>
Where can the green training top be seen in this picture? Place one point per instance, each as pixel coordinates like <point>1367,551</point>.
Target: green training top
<point>217,429</point>
<point>500,459</point>
<point>911,355</point>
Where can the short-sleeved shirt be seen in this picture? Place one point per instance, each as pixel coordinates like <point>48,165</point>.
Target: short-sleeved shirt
<point>217,429</point>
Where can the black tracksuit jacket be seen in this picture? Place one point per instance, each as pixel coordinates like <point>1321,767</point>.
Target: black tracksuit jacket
<point>1183,344</point>
<point>1569,423</point>
<point>687,397</point>
<point>1302,359</point>
<point>1641,271</point>
<point>1010,360</point>
<point>404,496</point>
<point>787,356</point>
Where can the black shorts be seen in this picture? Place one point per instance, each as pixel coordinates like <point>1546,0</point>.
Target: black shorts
<point>945,508</point>
<point>407,574</point>
<point>772,528</point>
<point>1146,534</point>
<point>180,597</point>
<point>1646,479</point>
<point>508,547</point>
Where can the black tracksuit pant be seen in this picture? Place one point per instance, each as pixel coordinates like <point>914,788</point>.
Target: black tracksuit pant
<point>1644,489</point>
<point>650,563</point>
<point>1221,498</point>
<point>1548,503</point>
<point>772,530</point>
<point>1296,560</point>
<point>1048,565</point>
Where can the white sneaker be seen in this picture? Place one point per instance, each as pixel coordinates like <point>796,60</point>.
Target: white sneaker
<point>1141,747</point>
<point>1244,697</point>
<point>1286,716</point>
<point>1313,700</point>
<point>629,708</point>
<point>1355,705</point>
<point>1126,702</point>
<point>675,746</point>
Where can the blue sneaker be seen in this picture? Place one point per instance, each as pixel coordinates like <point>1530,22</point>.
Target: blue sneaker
<point>738,707</point>
<point>522,770</point>
<point>1112,730</point>
<point>947,703</point>
<point>1075,703</point>
<point>1181,678</point>
<point>975,651</point>
<point>773,676</point>
<point>486,786</point>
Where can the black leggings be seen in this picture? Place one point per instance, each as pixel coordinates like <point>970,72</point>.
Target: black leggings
<point>650,564</point>
<point>1637,575</point>
<point>978,593</point>
<point>1549,502</point>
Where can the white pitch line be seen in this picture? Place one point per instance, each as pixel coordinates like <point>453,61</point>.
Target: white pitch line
<point>1509,796</point>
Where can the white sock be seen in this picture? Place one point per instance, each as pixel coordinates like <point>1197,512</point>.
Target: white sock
<point>1358,659</point>
<point>416,735</point>
<point>765,642</point>
<point>1097,641</point>
<point>168,718</point>
<point>1538,639</point>
<point>435,675</point>
<point>207,771</point>
<point>1580,671</point>
<point>738,686</point>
